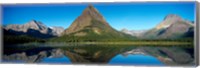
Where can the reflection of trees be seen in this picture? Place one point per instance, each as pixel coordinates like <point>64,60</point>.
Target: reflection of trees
<point>77,54</point>
<point>102,54</point>
<point>33,55</point>
<point>25,58</point>
<point>94,53</point>
<point>25,54</point>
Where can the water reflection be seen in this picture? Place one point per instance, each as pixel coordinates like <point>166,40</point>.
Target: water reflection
<point>137,59</point>
<point>60,60</point>
<point>100,54</point>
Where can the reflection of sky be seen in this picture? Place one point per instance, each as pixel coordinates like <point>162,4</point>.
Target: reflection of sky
<point>136,60</point>
<point>61,60</point>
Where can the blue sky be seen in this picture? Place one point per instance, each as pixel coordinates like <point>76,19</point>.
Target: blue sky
<point>133,16</point>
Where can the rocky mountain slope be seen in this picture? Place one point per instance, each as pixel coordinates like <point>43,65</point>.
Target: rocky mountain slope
<point>33,28</point>
<point>173,26</point>
<point>92,25</point>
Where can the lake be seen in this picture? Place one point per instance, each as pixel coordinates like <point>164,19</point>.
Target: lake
<point>41,53</point>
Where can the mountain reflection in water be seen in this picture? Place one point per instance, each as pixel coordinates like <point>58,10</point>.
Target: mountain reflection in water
<point>137,59</point>
<point>100,54</point>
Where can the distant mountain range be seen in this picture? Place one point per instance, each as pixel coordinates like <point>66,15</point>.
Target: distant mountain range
<point>173,26</point>
<point>34,29</point>
<point>136,33</point>
<point>91,26</point>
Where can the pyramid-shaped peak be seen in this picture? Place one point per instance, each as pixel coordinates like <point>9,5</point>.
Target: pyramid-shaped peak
<point>92,11</point>
<point>91,6</point>
<point>89,17</point>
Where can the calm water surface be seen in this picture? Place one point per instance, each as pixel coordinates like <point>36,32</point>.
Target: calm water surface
<point>99,54</point>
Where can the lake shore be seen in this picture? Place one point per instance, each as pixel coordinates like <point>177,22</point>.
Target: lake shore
<point>160,43</point>
<point>133,43</point>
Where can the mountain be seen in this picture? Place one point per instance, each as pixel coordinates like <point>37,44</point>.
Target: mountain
<point>173,26</point>
<point>91,25</point>
<point>30,25</point>
<point>33,28</point>
<point>56,31</point>
<point>136,33</point>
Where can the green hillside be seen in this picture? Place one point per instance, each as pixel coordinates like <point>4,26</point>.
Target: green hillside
<point>95,32</point>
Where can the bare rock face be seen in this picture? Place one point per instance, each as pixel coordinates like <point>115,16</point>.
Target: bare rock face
<point>30,25</point>
<point>168,20</point>
<point>85,19</point>
<point>91,26</point>
<point>33,28</point>
<point>179,28</point>
<point>37,26</point>
<point>171,27</point>
<point>171,19</point>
